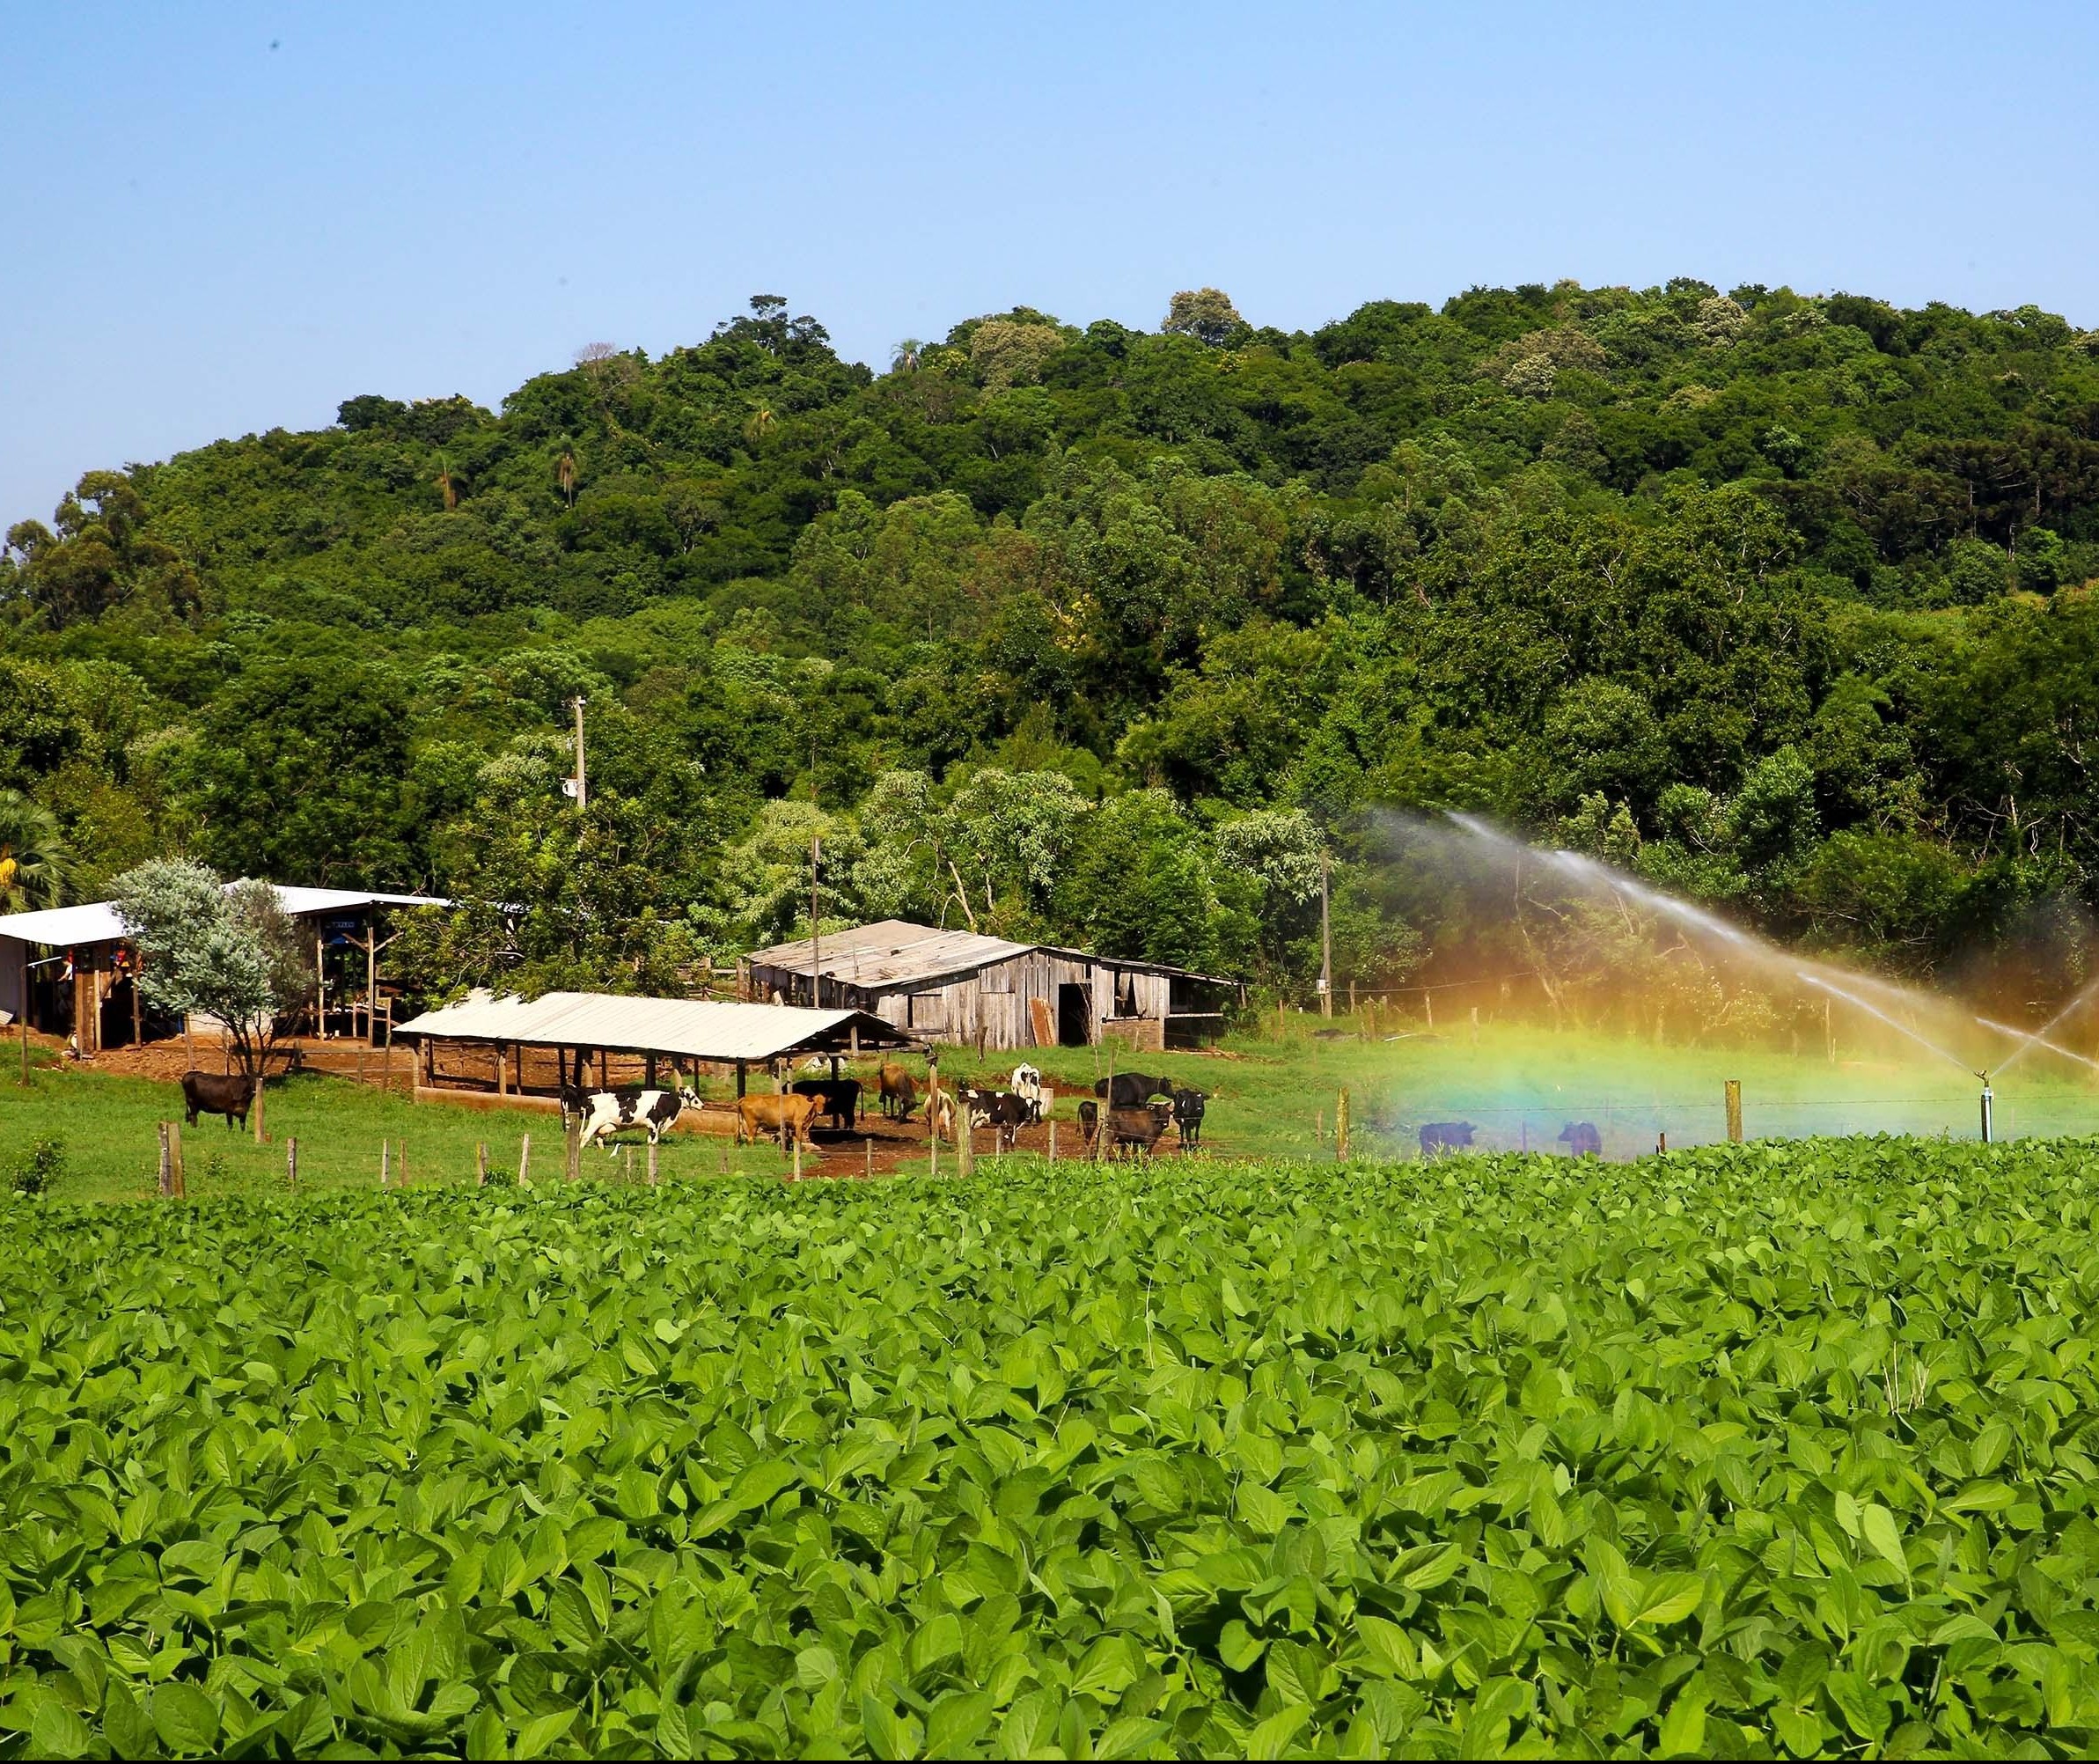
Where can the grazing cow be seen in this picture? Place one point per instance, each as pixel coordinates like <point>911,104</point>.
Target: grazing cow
<point>215,1093</point>
<point>1132,1089</point>
<point>999,1109</point>
<point>1582,1139</point>
<point>1446,1135</point>
<point>840,1097</point>
<point>1140,1128</point>
<point>1027,1085</point>
<point>776,1116</point>
<point>899,1091</point>
<point>1187,1116</point>
<point>605,1112</point>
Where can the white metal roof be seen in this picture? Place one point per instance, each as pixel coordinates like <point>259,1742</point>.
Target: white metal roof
<point>97,921</point>
<point>699,1028</point>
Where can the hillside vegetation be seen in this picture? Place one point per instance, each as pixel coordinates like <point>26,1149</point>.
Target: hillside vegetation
<point>1103,634</point>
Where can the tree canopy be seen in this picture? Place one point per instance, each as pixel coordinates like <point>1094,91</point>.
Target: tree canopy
<point>1089,632</point>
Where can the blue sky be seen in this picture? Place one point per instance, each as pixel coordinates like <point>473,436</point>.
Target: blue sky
<point>227,218</point>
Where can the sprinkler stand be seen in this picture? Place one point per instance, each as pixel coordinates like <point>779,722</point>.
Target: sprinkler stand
<point>1989,1122</point>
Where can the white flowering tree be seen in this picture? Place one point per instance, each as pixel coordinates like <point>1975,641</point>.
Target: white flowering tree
<point>207,950</point>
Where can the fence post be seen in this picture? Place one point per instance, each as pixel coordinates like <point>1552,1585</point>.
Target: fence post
<point>1340,1124</point>
<point>524,1161</point>
<point>480,1164</point>
<point>653,1177</point>
<point>166,1182</point>
<point>291,1163</point>
<point>965,1140</point>
<point>386,1156</point>
<point>627,1163</point>
<point>572,1150</point>
<point>1733,1101</point>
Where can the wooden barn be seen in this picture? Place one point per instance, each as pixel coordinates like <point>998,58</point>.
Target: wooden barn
<point>963,988</point>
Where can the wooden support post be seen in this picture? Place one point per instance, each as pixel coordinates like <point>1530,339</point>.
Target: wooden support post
<point>1341,1126</point>
<point>627,1163</point>
<point>1661,1144</point>
<point>525,1160</point>
<point>174,1141</point>
<point>1325,943</point>
<point>1733,1094</point>
<point>1428,1006</point>
<point>572,1150</point>
<point>371,974</point>
<point>138,1033</point>
<point>965,1142</point>
<point>25,1028</point>
<point>165,1184</point>
<point>321,989</point>
<point>503,1071</point>
<point>385,1158</point>
<point>743,1074</point>
<point>291,1162</point>
<point>480,1164</point>
<point>654,1177</point>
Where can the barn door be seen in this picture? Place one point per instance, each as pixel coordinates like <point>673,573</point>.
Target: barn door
<point>1075,1014</point>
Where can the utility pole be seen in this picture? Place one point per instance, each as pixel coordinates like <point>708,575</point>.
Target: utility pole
<point>582,781</point>
<point>815,935</point>
<point>1325,943</point>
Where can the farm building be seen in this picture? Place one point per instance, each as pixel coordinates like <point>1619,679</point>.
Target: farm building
<point>73,972</point>
<point>522,1048</point>
<point>961,987</point>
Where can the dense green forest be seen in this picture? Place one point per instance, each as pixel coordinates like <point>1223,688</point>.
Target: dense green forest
<point>1784,601</point>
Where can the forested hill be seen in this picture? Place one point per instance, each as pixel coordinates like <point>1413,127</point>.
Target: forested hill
<point>1783,600</point>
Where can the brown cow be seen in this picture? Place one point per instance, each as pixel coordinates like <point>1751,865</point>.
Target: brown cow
<point>777,1116</point>
<point>899,1092</point>
<point>212,1093</point>
<point>1139,1128</point>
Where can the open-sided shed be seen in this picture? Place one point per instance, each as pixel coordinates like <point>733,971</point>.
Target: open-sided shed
<point>502,1045</point>
<point>963,987</point>
<point>68,968</point>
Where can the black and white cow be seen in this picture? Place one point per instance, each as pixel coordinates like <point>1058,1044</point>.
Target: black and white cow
<point>1027,1085</point>
<point>605,1112</point>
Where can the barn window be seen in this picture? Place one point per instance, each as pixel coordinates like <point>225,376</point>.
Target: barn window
<point>925,1010</point>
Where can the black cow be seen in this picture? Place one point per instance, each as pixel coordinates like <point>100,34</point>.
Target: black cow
<point>1133,1089</point>
<point>1187,1116</point>
<point>1446,1135</point>
<point>1582,1139</point>
<point>841,1099</point>
<point>1140,1128</point>
<point>217,1093</point>
<point>1001,1109</point>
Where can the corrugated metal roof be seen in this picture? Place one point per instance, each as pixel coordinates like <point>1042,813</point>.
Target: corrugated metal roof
<point>699,1028</point>
<point>97,922</point>
<point>893,953</point>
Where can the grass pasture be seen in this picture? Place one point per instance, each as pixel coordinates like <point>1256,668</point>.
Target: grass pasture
<point>1270,1096</point>
<point>1771,1449</point>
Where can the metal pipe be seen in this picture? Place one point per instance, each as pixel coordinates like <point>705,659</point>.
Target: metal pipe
<point>1989,1122</point>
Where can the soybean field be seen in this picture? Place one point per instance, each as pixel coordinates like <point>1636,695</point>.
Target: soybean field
<point>1769,1449</point>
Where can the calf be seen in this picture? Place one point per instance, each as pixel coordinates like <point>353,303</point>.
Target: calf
<point>232,1095</point>
<point>605,1112</point>
<point>840,1096</point>
<point>1027,1085</point>
<point>1130,1088</point>
<point>1446,1135</point>
<point>1140,1128</point>
<point>899,1092</point>
<point>778,1116</point>
<point>1187,1116</point>
<point>1582,1139</point>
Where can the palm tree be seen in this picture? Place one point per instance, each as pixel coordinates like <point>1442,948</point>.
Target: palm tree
<point>565,475</point>
<point>758,425</point>
<point>36,865</point>
<point>904,357</point>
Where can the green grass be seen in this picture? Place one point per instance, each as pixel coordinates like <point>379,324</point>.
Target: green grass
<point>1270,1096</point>
<point>1748,1449</point>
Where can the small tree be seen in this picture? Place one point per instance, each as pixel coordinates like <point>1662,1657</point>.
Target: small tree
<point>1207,314</point>
<point>233,953</point>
